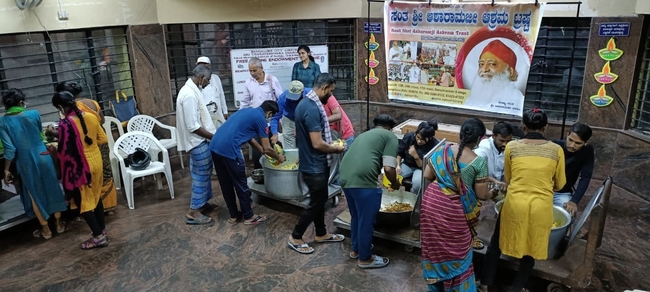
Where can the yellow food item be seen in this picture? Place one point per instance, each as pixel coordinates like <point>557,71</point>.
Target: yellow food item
<point>556,224</point>
<point>290,166</point>
<point>278,149</point>
<point>397,207</point>
<point>339,142</point>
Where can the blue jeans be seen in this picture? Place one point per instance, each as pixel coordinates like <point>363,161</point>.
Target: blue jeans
<point>364,205</point>
<point>201,173</point>
<point>232,179</point>
<point>416,177</point>
<point>560,198</point>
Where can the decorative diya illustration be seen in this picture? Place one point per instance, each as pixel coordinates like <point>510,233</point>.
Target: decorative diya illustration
<point>610,53</point>
<point>372,79</point>
<point>372,45</point>
<point>601,99</point>
<point>372,62</point>
<point>606,76</point>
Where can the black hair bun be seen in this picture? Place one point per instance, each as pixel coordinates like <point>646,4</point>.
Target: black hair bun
<point>433,124</point>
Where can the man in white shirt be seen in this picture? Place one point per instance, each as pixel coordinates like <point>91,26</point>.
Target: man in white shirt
<point>213,96</point>
<point>395,52</point>
<point>260,87</point>
<point>414,73</point>
<point>195,130</point>
<point>492,150</point>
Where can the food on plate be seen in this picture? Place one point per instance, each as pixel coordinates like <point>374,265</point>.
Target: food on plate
<point>395,207</point>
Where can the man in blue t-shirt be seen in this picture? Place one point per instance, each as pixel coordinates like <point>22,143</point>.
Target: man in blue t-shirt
<point>287,103</point>
<point>312,137</point>
<point>242,127</point>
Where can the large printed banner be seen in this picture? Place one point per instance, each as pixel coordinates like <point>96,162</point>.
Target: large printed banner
<point>277,62</point>
<point>472,56</point>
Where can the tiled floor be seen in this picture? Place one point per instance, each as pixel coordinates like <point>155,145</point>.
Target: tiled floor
<point>152,249</point>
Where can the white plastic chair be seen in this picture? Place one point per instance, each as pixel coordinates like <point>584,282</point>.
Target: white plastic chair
<point>144,123</point>
<point>115,164</point>
<point>126,145</point>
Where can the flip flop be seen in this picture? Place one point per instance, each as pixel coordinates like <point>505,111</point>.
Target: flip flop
<point>333,238</point>
<point>297,247</point>
<point>257,220</point>
<point>198,221</point>
<point>379,262</point>
<point>372,246</point>
<point>233,220</point>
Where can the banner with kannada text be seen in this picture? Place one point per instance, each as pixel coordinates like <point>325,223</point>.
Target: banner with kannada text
<point>471,56</point>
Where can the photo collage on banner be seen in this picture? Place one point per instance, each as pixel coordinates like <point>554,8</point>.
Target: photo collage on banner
<point>472,56</point>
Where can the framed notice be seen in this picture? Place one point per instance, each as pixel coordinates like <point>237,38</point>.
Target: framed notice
<point>277,62</point>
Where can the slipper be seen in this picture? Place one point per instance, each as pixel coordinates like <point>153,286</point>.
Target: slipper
<point>257,220</point>
<point>478,244</point>
<point>38,234</point>
<point>372,246</point>
<point>379,262</point>
<point>297,247</point>
<point>208,207</point>
<point>198,221</point>
<point>333,238</point>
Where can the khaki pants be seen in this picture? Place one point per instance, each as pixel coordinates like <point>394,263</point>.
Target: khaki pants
<point>288,132</point>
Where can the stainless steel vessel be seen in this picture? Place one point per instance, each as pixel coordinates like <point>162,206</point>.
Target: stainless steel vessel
<point>395,220</point>
<point>279,183</point>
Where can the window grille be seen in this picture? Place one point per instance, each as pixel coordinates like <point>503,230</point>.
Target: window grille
<point>641,107</point>
<point>187,42</point>
<point>97,59</point>
<point>549,73</point>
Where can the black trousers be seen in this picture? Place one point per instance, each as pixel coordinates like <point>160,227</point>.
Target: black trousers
<point>526,264</point>
<point>95,218</point>
<point>318,193</point>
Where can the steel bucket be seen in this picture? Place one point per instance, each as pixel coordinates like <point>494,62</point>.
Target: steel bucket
<point>280,183</point>
<point>557,233</point>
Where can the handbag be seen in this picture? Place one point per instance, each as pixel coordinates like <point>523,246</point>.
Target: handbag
<point>123,107</point>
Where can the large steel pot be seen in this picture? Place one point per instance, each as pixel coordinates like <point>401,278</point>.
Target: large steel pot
<point>279,183</point>
<point>395,220</point>
<point>558,233</point>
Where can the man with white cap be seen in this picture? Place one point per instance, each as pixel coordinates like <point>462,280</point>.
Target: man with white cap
<point>287,103</point>
<point>213,96</point>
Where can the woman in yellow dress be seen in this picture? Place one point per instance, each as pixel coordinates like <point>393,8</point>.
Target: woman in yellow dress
<point>533,169</point>
<point>81,164</point>
<point>109,193</point>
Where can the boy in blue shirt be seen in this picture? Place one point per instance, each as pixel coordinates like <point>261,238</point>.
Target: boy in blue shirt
<point>242,127</point>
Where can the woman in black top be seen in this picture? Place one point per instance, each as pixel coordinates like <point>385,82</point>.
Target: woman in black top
<point>411,151</point>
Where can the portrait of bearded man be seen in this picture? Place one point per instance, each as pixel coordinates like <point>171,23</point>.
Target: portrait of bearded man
<point>494,85</point>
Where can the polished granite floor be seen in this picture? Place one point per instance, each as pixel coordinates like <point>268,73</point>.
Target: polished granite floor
<point>152,249</point>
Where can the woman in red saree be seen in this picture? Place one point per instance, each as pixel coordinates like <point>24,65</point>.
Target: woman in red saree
<point>450,209</point>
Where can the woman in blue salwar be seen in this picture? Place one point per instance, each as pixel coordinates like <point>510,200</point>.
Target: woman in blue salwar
<point>20,132</point>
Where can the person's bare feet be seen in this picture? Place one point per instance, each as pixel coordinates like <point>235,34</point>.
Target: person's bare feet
<point>194,213</point>
<point>60,226</point>
<point>46,232</point>
<point>370,261</point>
<point>297,242</point>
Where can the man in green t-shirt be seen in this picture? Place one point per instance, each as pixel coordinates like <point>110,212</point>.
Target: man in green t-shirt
<point>359,176</point>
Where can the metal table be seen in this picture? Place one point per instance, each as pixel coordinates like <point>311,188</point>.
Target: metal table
<point>259,189</point>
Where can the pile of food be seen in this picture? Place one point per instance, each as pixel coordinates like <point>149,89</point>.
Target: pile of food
<point>278,149</point>
<point>396,207</point>
<point>556,224</point>
<point>286,166</point>
<point>339,142</point>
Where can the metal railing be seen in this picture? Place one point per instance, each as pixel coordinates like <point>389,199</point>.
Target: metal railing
<point>641,109</point>
<point>97,59</point>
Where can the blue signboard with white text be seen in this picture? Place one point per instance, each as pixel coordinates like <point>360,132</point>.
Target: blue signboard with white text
<point>614,29</point>
<point>372,27</point>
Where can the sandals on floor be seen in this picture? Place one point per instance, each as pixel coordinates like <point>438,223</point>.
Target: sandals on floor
<point>379,262</point>
<point>94,243</point>
<point>233,220</point>
<point>203,220</point>
<point>38,234</point>
<point>298,247</point>
<point>333,238</point>
<point>478,244</point>
<point>257,220</point>
<point>372,246</point>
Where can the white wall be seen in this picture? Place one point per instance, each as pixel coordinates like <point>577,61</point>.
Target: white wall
<point>81,13</point>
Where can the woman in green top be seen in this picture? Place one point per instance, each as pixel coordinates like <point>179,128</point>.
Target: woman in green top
<point>306,70</point>
<point>20,131</point>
